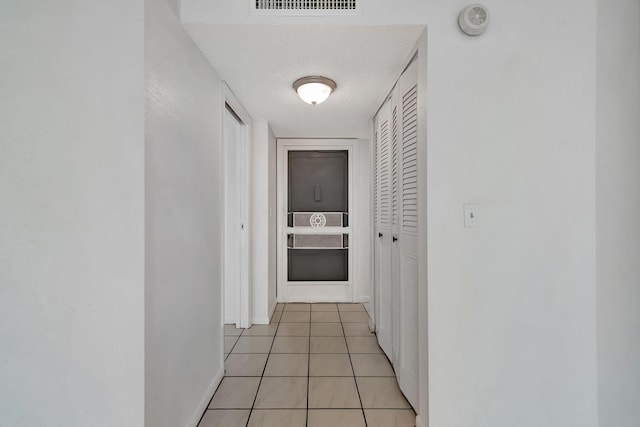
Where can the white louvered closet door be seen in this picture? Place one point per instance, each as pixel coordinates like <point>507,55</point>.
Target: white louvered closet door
<point>395,229</point>
<point>382,201</point>
<point>405,249</point>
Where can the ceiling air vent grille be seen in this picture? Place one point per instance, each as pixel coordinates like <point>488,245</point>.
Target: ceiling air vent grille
<point>305,7</point>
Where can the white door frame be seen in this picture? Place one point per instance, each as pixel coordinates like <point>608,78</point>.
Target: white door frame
<point>283,147</point>
<point>243,318</point>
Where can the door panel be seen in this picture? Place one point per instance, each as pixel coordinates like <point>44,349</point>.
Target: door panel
<point>318,181</point>
<point>318,192</point>
<point>407,248</point>
<point>234,167</point>
<point>395,227</point>
<point>383,242</point>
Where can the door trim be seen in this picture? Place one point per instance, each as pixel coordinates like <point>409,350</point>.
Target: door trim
<point>284,145</point>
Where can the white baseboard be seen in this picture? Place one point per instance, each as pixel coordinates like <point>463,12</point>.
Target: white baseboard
<point>260,321</point>
<point>420,422</point>
<point>364,300</point>
<point>202,406</point>
<point>272,309</point>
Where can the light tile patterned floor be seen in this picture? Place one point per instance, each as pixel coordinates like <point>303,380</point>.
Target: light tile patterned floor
<point>314,365</point>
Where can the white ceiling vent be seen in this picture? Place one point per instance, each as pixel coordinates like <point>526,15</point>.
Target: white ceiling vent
<point>305,7</point>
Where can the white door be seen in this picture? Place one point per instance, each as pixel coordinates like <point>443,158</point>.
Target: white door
<point>315,221</point>
<point>396,220</point>
<point>395,229</point>
<point>406,247</point>
<point>235,182</point>
<point>382,215</point>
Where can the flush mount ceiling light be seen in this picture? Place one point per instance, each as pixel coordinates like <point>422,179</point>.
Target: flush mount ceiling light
<point>314,89</point>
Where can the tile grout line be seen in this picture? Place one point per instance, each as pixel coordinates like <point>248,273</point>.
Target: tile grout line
<point>352,369</point>
<point>263,371</point>
<point>309,367</point>
<point>270,353</point>
<point>224,369</point>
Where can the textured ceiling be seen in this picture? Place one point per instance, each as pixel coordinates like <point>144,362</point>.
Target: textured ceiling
<point>260,63</point>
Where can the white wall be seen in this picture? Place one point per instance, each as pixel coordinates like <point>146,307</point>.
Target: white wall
<point>618,204</point>
<point>512,303</point>
<point>263,219</point>
<point>184,355</point>
<point>71,214</point>
<point>176,6</point>
<point>363,287</point>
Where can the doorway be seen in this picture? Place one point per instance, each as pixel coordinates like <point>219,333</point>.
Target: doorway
<point>315,230</point>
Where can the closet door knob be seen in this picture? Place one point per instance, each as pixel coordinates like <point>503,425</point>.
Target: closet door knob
<point>395,239</point>
<point>380,235</point>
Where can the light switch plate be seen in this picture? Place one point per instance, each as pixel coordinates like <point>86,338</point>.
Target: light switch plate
<point>471,214</point>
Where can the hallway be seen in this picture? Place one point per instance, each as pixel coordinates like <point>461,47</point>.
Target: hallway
<point>314,365</point>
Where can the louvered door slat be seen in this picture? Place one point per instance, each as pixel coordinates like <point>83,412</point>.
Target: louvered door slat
<point>385,193</point>
<point>394,167</point>
<point>410,160</point>
<point>375,177</point>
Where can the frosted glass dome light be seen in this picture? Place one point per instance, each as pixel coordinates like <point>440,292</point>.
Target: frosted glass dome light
<point>314,89</point>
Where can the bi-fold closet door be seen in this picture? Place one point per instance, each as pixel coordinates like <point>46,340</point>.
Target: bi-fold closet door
<point>396,229</point>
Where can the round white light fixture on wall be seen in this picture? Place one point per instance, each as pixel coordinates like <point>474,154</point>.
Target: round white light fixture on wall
<point>314,89</point>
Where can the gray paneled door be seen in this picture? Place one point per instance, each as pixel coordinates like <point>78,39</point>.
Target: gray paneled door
<point>315,222</point>
<point>318,196</point>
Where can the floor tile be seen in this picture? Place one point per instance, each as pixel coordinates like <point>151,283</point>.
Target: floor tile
<point>245,365</point>
<point>287,365</point>
<point>354,316</point>
<point>231,330</point>
<point>350,307</point>
<point>291,345</point>
<point>229,342</point>
<point>390,417</point>
<point>276,316</point>
<point>235,393</point>
<point>278,418</point>
<point>279,307</point>
<point>261,330</point>
<point>377,392</point>
<point>330,365</point>
<point>360,329</point>
<point>297,307</point>
<point>293,329</point>
<point>328,345</point>
<point>371,365</point>
<point>253,345</point>
<point>363,345</point>
<point>225,417</point>
<point>327,329</point>
<point>324,307</point>
<point>336,418</point>
<point>282,392</point>
<point>333,392</point>
<point>325,316</point>
<point>295,316</point>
